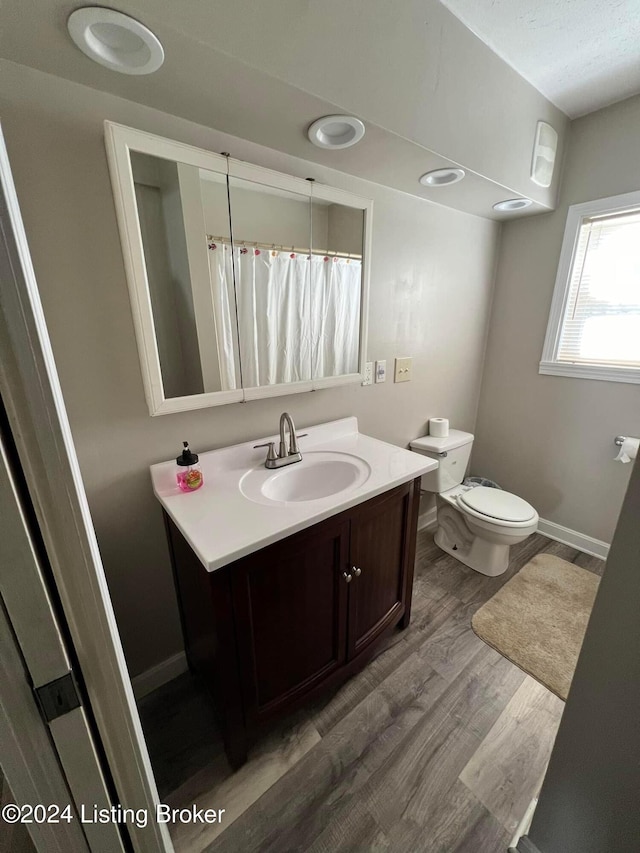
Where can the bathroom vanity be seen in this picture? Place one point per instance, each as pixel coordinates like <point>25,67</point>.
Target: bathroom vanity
<point>280,599</point>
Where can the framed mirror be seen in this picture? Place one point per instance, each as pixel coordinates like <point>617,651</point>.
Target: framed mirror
<point>186,340</point>
<point>244,282</point>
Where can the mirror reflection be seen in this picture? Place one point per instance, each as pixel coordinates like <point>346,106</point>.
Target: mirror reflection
<point>190,288</point>
<point>250,285</point>
<point>271,240</point>
<point>336,288</point>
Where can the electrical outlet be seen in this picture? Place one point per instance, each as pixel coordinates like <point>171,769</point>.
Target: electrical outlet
<point>381,371</point>
<point>368,373</point>
<point>403,369</point>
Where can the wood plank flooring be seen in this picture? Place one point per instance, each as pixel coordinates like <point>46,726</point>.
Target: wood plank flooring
<point>438,745</point>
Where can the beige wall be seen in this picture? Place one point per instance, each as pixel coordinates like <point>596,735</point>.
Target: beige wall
<point>345,229</point>
<point>431,288</point>
<point>260,216</point>
<point>550,438</point>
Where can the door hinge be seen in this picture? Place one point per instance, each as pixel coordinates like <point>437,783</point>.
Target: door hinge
<point>58,697</point>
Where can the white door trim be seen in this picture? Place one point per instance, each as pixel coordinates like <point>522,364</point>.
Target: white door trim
<point>29,761</point>
<point>26,599</point>
<point>31,392</point>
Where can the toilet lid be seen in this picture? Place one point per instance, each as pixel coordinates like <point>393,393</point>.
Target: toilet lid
<point>497,504</point>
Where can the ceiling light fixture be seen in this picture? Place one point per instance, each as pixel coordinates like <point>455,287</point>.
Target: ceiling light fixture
<point>442,177</point>
<point>512,204</point>
<point>336,131</point>
<point>115,40</point>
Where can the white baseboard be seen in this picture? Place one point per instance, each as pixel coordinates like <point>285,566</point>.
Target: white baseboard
<point>159,674</point>
<point>587,544</point>
<point>427,519</point>
<point>523,827</point>
<point>525,845</point>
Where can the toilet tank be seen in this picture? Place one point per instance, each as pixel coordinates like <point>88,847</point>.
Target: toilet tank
<point>452,452</point>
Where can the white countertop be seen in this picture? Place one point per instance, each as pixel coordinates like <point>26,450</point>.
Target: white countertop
<point>222,525</point>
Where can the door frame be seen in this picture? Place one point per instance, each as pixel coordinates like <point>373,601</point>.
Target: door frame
<point>29,761</point>
<point>31,392</point>
<point>33,619</point>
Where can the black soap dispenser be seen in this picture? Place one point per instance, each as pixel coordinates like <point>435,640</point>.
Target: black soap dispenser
<point>189,474</point>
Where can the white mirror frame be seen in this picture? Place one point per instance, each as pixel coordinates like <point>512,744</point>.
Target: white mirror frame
<point>119,142</point>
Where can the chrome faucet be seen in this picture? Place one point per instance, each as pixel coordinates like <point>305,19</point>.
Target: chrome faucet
<point>285,418</point>
<point>285,456</point>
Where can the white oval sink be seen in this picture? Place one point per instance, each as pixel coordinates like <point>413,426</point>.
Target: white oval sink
<point>320,474</point>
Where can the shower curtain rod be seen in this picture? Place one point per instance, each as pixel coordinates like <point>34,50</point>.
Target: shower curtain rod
<point>273,247</point>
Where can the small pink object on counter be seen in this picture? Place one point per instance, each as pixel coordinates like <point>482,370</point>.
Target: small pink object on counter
<point>189,474</point>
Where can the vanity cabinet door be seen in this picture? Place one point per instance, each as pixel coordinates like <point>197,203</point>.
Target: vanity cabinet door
<point>381,560</point>
<point>290,605</point>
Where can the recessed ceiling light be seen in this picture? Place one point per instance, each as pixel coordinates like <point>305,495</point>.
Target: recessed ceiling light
<point>115,40</point>
<point>336,131</point>
<point>512,204</point>
<point>442,177</point>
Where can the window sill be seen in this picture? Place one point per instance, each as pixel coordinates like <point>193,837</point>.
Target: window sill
<point>590,371</point>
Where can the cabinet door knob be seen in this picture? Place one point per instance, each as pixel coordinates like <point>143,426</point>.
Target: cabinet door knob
<point>347,577</point>
<point>357,571</point>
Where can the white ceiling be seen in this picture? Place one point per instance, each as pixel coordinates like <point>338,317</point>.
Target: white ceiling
<point>581,54</point>
<point>263,72</point>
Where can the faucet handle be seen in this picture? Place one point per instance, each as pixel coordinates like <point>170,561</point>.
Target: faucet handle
<point>293,442</point>
<point>271,452</point>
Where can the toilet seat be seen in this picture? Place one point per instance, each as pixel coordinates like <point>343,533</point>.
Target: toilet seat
<point>496,506</point>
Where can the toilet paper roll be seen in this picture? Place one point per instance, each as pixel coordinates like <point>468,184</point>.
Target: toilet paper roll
<point>629,450</point>
<point>439,427</point>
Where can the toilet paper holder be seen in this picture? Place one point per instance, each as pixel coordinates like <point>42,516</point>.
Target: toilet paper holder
<point>619,440</point>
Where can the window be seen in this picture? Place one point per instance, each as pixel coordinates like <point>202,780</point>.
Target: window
<point>594,325</point>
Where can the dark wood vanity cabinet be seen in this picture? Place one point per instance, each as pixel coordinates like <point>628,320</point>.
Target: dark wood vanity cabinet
<point>272,628</point>
<point>382,550</point>
<point>290,603</point>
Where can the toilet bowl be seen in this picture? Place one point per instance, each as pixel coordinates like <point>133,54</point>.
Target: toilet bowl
<point>476,525</point>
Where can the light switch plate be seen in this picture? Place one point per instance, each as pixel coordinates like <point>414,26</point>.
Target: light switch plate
<point>368,373</point>
<point>381,371</point>
<point>403,369</point>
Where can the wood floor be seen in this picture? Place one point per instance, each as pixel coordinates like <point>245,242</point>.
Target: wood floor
<point>438,745</point>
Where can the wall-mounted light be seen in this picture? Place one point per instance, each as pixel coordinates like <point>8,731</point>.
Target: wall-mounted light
<point>543,158</point>
<point>336,131</point>
<point>442,177</point>
<point>115,40</point>
<point>512,204</point>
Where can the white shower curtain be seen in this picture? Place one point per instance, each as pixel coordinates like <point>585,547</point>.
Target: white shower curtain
<point>298,316</point>
<point>221,277</point>
<point>272,291</point>
<point>335,311</point>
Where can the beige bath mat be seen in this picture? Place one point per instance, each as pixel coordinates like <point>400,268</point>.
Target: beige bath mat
<point>539,617</point>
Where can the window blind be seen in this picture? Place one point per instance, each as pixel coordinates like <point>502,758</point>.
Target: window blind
<point>601,322</point>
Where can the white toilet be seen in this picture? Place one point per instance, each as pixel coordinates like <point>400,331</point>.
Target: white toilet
<point>476,525</point>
